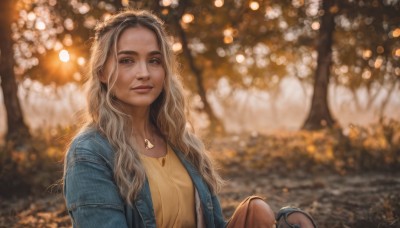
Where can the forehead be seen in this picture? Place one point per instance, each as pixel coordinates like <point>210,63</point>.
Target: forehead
<point>138,38</point>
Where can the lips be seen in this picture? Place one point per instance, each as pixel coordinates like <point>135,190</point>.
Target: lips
<point>142,88</point>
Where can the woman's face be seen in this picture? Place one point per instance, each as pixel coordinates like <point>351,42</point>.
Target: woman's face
<point>140,74</point>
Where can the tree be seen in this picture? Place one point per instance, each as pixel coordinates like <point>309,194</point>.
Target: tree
<point>319,115</point>
<point>364,38</point>
<point>215,123</point>
<point>17,130</point>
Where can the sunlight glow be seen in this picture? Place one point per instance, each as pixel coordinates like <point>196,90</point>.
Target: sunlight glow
<point>366,75</point>
<point>378,62</point>
<point>31,16</point>
<point>84,8</point>
<point>219,3</point>
<point>64,55</point>
<point>254,5</point>
<point>67,41</point>
<point>240,58</point>
<point>166,2</point>
<point>396,33</point>
<point>297,3</point>
<point>315,25</point>
<point>228,32</point>
<point>165,11</point>
<point>81,61</point>
<point>273,12</point>
<point>58,46</point>
<point>177,47</point>
<point>125,2</point>
<point>40,25</point>
<point>187,18</point>
<point>77,76</point>
<point>228,35</point>
<point>228,39</point>
<point>367,54</point>
<point>69,24</point>
<point>397,52</point>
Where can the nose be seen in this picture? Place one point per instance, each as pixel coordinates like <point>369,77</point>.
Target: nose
<point>143,71</point>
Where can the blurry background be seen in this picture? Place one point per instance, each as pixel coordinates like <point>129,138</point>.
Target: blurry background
<point>274,86</point>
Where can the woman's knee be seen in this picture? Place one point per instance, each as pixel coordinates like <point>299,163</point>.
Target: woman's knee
<point>261,209</point>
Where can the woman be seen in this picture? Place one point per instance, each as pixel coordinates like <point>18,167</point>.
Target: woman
<point>134,163</point>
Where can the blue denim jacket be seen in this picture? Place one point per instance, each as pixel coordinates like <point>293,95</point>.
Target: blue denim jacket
<point>93,199</point>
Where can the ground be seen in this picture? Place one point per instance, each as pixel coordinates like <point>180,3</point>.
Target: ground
<point>353,183</point>
<point>356,200</point>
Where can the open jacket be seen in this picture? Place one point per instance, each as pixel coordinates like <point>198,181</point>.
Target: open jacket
<point>92,196</point>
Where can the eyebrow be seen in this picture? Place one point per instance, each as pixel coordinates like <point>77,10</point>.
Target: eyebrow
<point>129,52</point>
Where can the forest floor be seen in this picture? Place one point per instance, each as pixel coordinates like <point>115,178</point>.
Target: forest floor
<point>358,200</point>
<point>353,186</point>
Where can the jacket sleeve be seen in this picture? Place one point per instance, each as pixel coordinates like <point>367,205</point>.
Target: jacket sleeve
<point>91,195</point>
<point>218,216</point>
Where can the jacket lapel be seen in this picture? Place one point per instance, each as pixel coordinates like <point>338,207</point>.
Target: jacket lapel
<point>144,206</point>
<point>201,188</point>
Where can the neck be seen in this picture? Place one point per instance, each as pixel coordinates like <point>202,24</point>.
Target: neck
<point>142,126</point>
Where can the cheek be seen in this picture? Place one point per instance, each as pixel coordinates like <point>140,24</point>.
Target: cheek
<point>124,78</point>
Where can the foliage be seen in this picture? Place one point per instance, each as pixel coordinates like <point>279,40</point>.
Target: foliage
<point>35,168</point>
<point>252,47</point>
<point>376,147</point>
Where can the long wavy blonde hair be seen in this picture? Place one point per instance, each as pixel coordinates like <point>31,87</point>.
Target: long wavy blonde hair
<point>167,112</point>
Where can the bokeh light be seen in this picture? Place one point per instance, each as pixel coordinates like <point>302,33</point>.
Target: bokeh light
<point>31,16</point>
<point>378,62</point>
<point>240,58</point>
<point>396,33</point>
<point>397,52</point>
<point>166,2</point>
<point>64,56</point>
<point>187,18</point>
<point>176,47</point>
<point>81,61</point>
<point>84,8</point>
<point>219,3</point>
<point>254,5</point>
<point>366,75</point>
<point>69,24</point>
<point>315,25</point>
<point>367,54</point>
<point>40,25</point>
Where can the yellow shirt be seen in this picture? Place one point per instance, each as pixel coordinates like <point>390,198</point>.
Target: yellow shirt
<point>172,191</point>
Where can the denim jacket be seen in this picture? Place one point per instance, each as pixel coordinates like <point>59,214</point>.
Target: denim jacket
<point>92,196</point>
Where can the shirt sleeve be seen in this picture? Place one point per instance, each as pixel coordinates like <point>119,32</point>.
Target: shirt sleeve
<point>91,195</point>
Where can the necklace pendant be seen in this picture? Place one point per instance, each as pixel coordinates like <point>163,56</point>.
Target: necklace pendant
<point>147,144</point>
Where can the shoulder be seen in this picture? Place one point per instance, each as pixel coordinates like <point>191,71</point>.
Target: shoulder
<point>90,145</point>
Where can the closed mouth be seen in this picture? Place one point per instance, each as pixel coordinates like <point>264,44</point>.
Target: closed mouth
<point>142,87</point>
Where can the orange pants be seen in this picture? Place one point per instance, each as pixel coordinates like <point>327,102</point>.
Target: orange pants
<point>252,215</point>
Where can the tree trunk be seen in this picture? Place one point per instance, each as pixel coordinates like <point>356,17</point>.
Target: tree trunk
<point>17,131</point>
<point>319,116</point>
<point>215,124</point>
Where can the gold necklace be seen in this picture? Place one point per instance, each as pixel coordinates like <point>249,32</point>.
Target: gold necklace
<point>148,145</point>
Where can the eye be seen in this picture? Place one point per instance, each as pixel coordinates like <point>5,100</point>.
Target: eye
<point>156,61</point>
<point>125,61</point>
